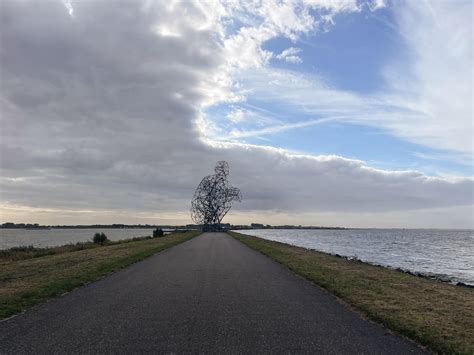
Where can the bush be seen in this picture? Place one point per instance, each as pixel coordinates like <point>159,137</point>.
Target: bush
<point>158,232</point>
<point>100,238</point>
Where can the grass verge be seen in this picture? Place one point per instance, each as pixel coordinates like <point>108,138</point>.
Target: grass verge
<point>433,313</point>
<point>35,276</point>
<point>29,251</point>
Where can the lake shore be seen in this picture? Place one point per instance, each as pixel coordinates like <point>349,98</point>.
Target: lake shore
<point>435,314</point>
<point>433,277</point>
<point>444,255</point>
<point>31,276</point>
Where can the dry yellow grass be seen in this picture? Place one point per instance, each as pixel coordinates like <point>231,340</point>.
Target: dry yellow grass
<point>433,313</point>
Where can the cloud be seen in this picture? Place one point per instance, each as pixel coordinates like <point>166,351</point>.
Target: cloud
<point>428,90</point>
<point>68,6</point>
<point>437,82</point>
<point>262,21</point>
<point>234,134</point>
<point>237,115</point>
<point>102,120</point>
<point>376,5</point>
<point>290,55</point>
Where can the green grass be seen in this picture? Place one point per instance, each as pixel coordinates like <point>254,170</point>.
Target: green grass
<point>29,276</point>
<point>433,313</point>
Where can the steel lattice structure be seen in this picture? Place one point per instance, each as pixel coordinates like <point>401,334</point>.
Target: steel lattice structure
<point>213,198</point>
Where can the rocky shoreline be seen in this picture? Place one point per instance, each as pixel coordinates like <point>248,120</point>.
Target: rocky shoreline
<point>440,278</point>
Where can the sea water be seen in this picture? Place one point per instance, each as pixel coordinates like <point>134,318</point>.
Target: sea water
<point>444,254</point>
<point>15,237</point>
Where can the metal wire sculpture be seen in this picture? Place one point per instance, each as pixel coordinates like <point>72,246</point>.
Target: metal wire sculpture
<point>213,198</point>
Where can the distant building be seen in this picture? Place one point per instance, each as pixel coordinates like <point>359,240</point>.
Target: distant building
<point>257,226</point>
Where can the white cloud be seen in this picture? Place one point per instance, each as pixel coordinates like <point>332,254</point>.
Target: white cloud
<point>237,115</point>
<point>438,80</point>
<point>167,32</point>
<point>376,5</point>
<point>101,119</point>
<point>69,8</point>
<point>429,92</point>
<point>290,55</point>
<point>234,134</point>
<point>269,19</point>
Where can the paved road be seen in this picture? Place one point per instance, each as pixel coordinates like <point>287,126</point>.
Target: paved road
<point>209,295</point>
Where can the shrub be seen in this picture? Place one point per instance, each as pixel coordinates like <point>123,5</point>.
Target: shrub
<point>158,232</point>
<point>100,238</point>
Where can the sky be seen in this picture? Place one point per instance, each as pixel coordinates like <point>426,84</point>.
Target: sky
<point>355,113</point>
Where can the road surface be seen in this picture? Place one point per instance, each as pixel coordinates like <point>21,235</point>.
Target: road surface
<point>211,294</point>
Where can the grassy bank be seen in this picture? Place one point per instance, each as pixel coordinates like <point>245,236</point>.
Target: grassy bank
<point>432,313</point>
<point>29,276</point>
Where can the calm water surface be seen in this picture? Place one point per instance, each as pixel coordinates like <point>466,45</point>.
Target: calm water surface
<point>53,237</point>
<point>447,254</point>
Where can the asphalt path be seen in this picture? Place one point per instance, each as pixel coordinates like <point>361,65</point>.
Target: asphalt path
<point>211,294</point>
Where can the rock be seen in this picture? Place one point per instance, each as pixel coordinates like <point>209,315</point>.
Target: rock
<point>464,285</point>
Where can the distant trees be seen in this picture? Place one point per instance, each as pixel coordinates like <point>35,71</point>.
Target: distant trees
<point>213,198</point>
<point>22,225</point>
